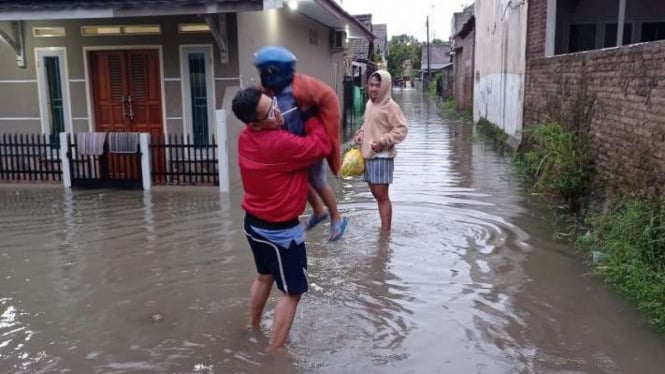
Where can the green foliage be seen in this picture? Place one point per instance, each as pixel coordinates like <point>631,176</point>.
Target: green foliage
<point>400,49</point>
<point>493,133</point>
<point>376,58</point>
<point>557,162</point>
<point>449,107</point>
<point>430,91</point>
<point>628,242</point>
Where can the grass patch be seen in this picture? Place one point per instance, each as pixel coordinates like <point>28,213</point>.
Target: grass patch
<point>449,108</point>
<point>556,163</point>
<point>492,132</point>
<point>627,243</point>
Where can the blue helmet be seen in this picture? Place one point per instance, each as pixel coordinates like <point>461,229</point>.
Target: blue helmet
<point>274,54</point>
<point>276,65</point>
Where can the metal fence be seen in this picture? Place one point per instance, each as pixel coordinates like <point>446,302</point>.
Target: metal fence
<point>104,170</point>
<point>176,160</point>
<point>30,157</point>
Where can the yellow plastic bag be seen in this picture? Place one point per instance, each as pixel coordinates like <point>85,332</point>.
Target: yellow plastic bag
<point>353,163</point>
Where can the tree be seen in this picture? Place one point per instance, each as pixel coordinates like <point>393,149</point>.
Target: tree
<point>403,48</point>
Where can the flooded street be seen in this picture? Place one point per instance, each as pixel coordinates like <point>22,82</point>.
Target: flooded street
<point>471,280</point>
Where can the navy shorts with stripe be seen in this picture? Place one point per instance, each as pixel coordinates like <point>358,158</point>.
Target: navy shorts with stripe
<point>379,170</point>
<point>288,266</point>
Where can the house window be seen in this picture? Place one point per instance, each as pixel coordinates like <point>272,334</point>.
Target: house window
<point>53,92</point>
<point>652,31</point>
<point>110,30</point>
<point>198,92</point>
<point>581,37</point>
<point>48,32</point>
<point>188,28</point>
<point>610,39</point>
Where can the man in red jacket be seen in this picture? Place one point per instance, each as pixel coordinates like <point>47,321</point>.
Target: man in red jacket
<point>297,93</point>
<point>273,167</point>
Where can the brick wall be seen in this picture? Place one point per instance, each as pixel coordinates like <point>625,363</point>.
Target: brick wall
<point>618,96</point>
<point>537,24</point>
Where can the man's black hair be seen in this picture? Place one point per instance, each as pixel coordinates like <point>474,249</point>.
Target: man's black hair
<point>245,103</point>
<point>375,75</point>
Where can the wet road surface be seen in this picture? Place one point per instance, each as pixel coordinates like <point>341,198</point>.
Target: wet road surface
<point>471,280</point>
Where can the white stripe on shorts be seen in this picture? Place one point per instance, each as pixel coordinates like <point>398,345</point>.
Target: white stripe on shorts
<point>279,260</point>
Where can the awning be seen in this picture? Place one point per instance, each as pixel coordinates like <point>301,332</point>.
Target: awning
<point>331,14</point>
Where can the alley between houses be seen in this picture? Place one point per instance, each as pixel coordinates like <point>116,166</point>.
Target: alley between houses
<point>473,279</point>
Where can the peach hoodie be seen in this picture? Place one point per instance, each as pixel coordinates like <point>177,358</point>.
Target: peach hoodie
<point>384,122</point>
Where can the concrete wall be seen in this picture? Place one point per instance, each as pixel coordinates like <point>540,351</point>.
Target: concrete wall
<point>19,96</point>
<point>500,58</point>
<point>291,30</point>
<point>618,96</point>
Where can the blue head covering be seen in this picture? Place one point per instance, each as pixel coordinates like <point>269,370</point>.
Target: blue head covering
<point>276,65</point>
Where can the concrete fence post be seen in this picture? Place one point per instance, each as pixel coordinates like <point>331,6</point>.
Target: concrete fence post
<point>146,165</point>
<point>65,162</point>
<point>222,152</point>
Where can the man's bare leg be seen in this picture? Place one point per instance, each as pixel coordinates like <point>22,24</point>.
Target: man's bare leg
<point>258,296</point>
<point>285,312</point>
<point>380,192</point>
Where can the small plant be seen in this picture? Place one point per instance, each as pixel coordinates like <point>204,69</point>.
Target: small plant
<point>557,162</point>
<point>449,108</point>
<point>491,131</point>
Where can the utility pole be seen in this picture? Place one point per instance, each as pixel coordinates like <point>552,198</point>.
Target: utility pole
<point>428,57</point>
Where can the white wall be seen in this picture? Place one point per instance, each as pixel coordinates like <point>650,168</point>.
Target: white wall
<point>291,30</point>
<point>500,61</point>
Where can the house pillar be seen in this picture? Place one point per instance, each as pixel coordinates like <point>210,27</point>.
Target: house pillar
<point>222,152</point>
<point>146,166</point>
<point>66,170</point>
<point>550,28</point>
<point>622,21</point>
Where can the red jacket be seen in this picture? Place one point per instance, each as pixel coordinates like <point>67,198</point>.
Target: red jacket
<point>273,167</point>
<point>309,92</point>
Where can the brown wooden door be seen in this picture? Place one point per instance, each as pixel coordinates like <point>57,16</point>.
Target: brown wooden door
<point>127,91</point>
<point>110,89</point>
<point>127,98</point>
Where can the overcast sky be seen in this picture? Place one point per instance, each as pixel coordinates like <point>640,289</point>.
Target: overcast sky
<point>408,16</point>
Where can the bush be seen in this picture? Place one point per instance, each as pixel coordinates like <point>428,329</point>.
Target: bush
<point>557,162</point>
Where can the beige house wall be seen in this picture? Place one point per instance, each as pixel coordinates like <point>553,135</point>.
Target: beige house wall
<point>291,30</point>
<point>19,91</point>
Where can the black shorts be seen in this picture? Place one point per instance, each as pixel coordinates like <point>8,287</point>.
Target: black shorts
<point>288,266</point>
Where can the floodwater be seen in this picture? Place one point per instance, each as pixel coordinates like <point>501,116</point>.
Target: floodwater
<point>472,279</point>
